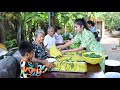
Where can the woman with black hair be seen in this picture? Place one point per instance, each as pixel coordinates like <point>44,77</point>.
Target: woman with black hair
<point>91,26</point>
<point>86,38</point>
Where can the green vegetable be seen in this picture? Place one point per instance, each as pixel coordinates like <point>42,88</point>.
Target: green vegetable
<point>65,36</point>
<point>75,45</point>
<point>93,55</point>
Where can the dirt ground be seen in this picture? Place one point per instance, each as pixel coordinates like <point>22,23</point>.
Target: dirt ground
<point>109,43</point>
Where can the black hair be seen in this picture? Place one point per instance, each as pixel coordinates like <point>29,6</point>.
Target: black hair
<point>91,22</point>
<point>57,28</point>
<point>81,21</point>
<point>25,46</point>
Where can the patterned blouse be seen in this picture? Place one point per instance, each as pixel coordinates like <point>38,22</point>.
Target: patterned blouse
<point>88,41</point>
<point>29,68</point>
<point>40,51</point>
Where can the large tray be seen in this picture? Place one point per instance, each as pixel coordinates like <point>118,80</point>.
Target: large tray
<point>81,67</point>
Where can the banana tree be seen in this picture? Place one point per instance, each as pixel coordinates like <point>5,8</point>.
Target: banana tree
<point>23,19</point>
<point>43,21</point>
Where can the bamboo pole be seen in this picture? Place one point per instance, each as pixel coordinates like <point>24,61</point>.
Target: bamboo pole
<point>49,19</point>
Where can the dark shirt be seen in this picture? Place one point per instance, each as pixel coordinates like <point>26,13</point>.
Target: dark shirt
<point>40,51</point>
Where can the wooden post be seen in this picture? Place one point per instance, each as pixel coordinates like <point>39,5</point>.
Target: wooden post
<point>19,34</point>
<point>2,36</point>
<point>49,19</point>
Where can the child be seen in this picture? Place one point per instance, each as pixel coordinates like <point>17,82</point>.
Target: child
<point>58,36</point>
<point>29,68</point>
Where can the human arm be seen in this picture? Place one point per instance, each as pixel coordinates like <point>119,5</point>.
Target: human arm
<point>65,45</point>
<point>73,50</point>
<point>45,42</point>
<point>57,44</point>
<point>39,60</point>
<point>47,50</point>
<point>76,39</point>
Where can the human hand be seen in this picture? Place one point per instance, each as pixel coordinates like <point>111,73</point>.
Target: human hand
<point>59,47</point>
<point>64,51</point>
<point>45,62</point>
<point>66,41</point>
<point>49,65</point>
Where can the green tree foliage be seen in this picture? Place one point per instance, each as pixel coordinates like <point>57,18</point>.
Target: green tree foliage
<point>17,26</point>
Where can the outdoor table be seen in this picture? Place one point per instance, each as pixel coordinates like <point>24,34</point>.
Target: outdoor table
<point>94,71</point>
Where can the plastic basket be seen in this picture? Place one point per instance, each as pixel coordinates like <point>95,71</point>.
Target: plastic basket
<point>93,60</point>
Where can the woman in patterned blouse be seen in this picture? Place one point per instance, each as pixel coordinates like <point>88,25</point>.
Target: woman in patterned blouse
<point>86,38</point>
<point>40,50</point>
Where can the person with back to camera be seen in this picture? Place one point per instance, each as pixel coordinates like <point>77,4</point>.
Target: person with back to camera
<point>86,38</point>
<point>91,26</point>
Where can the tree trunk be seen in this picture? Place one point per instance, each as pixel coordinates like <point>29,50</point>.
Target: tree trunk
<point>30,34</point>
<point>44,26</point>
<point>33,30</point>
<point>2,36</point>
<point>57,21</point>
<point>49,19</point>
<point>37,26</point>
<point>53,17</point>
<point>23,33</point>
<point>19,34</point>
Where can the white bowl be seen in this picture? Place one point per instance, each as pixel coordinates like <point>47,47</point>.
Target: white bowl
<point>112,63</point>
<point>51,59</point>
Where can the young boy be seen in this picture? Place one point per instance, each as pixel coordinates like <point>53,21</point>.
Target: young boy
<point>29,68</point>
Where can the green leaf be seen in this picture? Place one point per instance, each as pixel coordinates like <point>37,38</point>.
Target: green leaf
<point>66,19</point>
